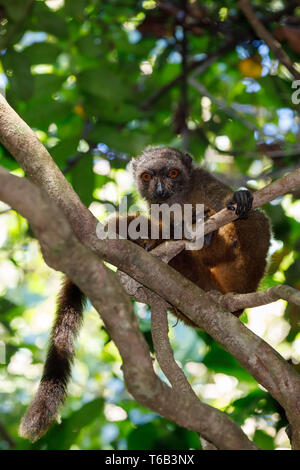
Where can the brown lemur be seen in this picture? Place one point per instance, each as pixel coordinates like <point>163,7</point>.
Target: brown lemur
<point>233,259</point>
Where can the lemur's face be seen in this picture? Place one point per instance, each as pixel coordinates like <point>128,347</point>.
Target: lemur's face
<point>162,175</point>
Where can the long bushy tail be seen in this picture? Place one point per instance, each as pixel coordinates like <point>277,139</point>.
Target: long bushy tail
<point>51,393</point>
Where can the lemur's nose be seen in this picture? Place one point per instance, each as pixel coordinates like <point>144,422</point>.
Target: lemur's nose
<point>159,189</point>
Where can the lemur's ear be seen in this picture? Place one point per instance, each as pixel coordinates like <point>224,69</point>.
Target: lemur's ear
<point>133,164</point>
<point>187,160</point>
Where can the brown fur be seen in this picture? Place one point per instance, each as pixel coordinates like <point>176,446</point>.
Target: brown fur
<point>235,260</point>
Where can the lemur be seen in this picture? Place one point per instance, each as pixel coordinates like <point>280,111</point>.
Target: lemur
<point>233,259</point>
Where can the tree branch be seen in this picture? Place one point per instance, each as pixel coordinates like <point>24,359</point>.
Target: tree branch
<point>234,302</point>
<point>163,349</point>
<point>164,353</point>
<point>167,250</point>
<point>269,369</point>
<point>64,252</point>
<point>165,358</point>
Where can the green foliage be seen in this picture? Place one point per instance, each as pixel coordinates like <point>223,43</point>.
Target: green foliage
<point>81,74</point>
<point>83,171</point>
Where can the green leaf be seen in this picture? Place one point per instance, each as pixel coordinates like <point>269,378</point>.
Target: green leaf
<point>256,403</point>
<point>8,162</point>
<point>82,177</point>
<point>47,84</point>
<point>63,150</point>
<point>101,180</point>
<point>263,440</point>
<point>142,438</point>
<point>17,67</point>
<point>41,114</point>
<point>89,46</point>
<point>219,360</point>
<point>44,19</point>
<point>15,9</point>
<point>125,140</point>
<point>103,82</point>
<point>42,53</point>
<point>111,111</point>
<point>62,436</point>
<point>75,7</point>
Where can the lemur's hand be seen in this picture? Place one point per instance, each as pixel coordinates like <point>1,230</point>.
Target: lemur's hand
<point>243,200</point>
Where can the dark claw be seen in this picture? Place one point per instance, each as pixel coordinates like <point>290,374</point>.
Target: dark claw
<point>230,205</point>
<point>243,200</point>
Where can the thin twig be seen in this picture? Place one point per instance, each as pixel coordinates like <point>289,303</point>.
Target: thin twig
<point>234,302</point>
<point>163,349</point>
<point>198,65</point>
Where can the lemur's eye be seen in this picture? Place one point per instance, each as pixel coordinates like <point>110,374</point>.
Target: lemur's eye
<point>146,177</point>
<point>173,173</point>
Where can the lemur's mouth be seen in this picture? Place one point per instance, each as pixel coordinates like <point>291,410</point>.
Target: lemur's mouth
<point>162,198</point>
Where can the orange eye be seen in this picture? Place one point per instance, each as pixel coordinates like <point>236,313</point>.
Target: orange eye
<point>146,177</point>
<point>173,173</point>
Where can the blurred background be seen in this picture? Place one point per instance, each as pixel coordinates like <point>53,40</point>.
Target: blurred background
<point>98,81</point>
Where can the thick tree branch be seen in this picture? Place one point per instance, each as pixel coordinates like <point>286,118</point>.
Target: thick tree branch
<point>267,37</point>
<point>206,445</point>
<point>259,352</point>
<point>269,369</point>
<point>165,358</point>
<point>64,252</point>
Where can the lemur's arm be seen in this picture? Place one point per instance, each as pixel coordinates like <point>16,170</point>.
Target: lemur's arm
<point>219,195</point>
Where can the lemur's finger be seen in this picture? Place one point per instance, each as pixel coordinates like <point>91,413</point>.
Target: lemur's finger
<point>238,196</point>
<point>243,200</point>
<point>244,204</point>
<point>230,205</point>
<point>250,201</point>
